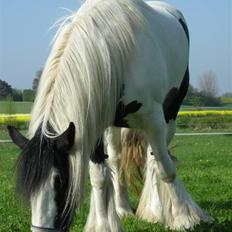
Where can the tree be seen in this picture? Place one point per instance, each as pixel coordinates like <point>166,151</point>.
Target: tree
<point>5,90</point>
<point>198,98</point>
<point>191,96</point>
<point>9,105</point>
<point>17,95</point>
<point>28,95</point>
<point>209,89</point>
<point>36,80</point>
<point>208,84</point>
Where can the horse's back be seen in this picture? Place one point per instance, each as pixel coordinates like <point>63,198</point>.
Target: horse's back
<point>162,55</point>
<point>165,6</point>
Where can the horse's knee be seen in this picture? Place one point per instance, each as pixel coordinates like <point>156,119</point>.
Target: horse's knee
<point>98,174</point>
<point>171,130</point>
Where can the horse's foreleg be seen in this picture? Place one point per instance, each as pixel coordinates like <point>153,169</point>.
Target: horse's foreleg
<point>102,216</point>
<point>171,130</point>
<point>154,125</point>
<point>168,203</point>
<point>113,148</point>
<point>180,212</point>
<point>150,207</point>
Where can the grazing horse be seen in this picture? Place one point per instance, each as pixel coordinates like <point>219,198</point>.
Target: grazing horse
<point>113,63</point>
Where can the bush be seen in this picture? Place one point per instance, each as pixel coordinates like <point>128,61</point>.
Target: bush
<point>198,98</point>
<point>17,95</point>
<point>28,95</point>
<point>5,90</point>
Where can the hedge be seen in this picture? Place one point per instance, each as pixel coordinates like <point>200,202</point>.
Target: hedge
<point>210,119</point>
<point>205,119</point>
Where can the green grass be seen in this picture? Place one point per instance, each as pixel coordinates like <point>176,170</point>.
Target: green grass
<point>205,172</point>
<point>4,134</point>
<point>226,106</point>
<point>226,100</point>
<point>25,107</point>
<point>15,107</point>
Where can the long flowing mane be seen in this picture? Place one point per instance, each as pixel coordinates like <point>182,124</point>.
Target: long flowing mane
<point>83,77</point>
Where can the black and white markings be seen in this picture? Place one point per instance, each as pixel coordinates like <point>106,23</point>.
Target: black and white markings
<point>123,110</point>
<point>174,99</point>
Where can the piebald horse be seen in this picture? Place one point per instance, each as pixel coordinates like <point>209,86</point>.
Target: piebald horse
<point>116,63</point>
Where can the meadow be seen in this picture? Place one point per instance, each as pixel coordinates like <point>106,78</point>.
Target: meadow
<point>205,171</point>
<point>11,107</point>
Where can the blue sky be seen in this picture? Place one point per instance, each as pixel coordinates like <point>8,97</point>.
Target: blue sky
<point>25,37</point>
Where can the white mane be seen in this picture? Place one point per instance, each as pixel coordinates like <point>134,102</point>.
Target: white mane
<point>83,76</point>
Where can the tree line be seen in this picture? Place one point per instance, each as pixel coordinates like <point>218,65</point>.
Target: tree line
<point>7,91</point>
<point>205,95</point>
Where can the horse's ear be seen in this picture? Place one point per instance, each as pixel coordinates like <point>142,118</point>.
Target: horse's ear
<point>66,139</point>
<point>17,137</point>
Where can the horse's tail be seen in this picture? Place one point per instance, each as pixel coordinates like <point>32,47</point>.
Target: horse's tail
<point>133,158</point>
<point>134,148</point>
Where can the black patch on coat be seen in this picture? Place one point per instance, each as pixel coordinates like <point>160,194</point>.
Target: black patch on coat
<point>122,111</point>
<point>174,99</point>
<point>38,157</point>
<point>185,27</point>
<point>98,156</point>
<point>63,219</point>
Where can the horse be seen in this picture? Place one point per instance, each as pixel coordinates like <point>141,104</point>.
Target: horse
<point>114,63</point>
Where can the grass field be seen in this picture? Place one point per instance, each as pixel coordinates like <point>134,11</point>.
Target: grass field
<point>25,107</point>
<point>184,124</point>
<point>15,107</point>
<point>205,171</point>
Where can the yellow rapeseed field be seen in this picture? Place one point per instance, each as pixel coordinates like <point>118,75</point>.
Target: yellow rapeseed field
<point>202,113</point>
<point>19,118</point>
<point>24,118</point>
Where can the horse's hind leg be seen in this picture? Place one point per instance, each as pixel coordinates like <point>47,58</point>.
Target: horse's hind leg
<point>113,148</point>
<point>102,216</point>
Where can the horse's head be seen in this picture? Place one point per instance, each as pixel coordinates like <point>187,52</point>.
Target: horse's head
<point>43,177</point>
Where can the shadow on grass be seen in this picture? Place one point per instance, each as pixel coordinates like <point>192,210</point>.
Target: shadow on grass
<point>225,205</point>
<point>224,224</point>
<point>216,226</point>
